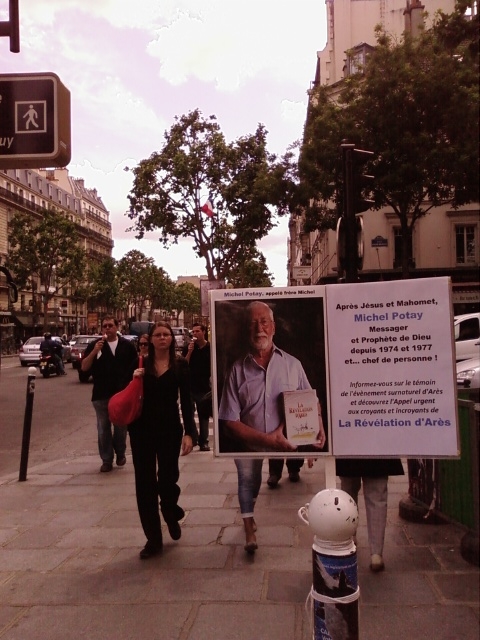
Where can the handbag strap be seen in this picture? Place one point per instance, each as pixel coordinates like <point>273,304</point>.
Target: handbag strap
<point>140,362</point>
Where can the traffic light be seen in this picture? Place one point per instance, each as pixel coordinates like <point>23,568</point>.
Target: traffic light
<point>359,243</point>
<point>356,184</point>
<point>362,182</point>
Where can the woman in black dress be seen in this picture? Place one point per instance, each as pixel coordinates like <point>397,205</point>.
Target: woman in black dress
<point>158,437</point>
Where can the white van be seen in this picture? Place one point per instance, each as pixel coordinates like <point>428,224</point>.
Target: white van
<point>467,336</point>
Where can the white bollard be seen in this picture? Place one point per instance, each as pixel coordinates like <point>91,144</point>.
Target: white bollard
<point>333,517</point>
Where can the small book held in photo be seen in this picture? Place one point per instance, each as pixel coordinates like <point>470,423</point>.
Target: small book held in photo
<point>301,416</point>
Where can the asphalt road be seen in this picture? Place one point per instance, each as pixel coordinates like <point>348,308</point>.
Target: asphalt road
<point>63,419</point>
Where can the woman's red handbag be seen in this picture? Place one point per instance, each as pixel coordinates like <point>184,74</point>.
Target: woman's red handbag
<point>126,406</point>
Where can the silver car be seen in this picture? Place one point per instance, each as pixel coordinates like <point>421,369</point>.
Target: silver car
<point>468,374</point>
<point>467,336</point>
<point>182,337</point>
<point>29,353</point>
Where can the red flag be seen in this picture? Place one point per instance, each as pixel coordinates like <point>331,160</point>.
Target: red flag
<point>208,207</point>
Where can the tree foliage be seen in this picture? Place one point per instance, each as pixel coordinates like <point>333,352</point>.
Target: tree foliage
<point>45,255</point>
<point>103,289</point>
<point>187,298</point>
<point>247,185</point>
<point>162,294</point>
<point>140,280</point>
<point>415,105</point>
<point>251,272</point>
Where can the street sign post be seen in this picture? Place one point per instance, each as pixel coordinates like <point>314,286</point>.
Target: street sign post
<point>34,121</point>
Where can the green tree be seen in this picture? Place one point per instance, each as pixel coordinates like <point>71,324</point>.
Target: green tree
<point>44,255</point>
<point>162,291</point>
<point>247,186</point>
<point>103,289</point>
<point>251,272</point>
<point>415,105</point>
<point>135,272</point>
<point>187,299</point>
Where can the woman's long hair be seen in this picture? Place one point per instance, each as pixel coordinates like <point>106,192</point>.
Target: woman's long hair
<point>150,361</point>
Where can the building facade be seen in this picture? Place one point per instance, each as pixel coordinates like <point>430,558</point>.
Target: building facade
<point>445,241</point>
<point>31,192</point>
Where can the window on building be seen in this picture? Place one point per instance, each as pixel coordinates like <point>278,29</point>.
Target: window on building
<point>357,58</point>
<point>465,243</point>
<point>398,248</point>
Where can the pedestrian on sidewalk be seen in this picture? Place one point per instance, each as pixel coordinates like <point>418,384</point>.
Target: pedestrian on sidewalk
<point>111,360</point>
<point>250,407</point>
<point>275,469</point>
<point>373,474</point>
<point>158,438</point>
<point>143,343</point>
<point>197,354</point>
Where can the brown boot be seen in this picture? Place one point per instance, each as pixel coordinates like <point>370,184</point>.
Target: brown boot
<point>250,538</point>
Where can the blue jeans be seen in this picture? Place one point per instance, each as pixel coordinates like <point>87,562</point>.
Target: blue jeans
<point>108,443</point>
<point>249,471</point>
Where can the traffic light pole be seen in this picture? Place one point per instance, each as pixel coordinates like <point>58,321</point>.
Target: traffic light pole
<point>10,28</point>
<point>351,271</point>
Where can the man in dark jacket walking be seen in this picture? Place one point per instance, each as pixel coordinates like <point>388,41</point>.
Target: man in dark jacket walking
<point>198,357</point>
<point>111,360</point>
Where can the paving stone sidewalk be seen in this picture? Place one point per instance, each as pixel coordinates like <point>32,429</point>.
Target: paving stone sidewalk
<point>69,565</point>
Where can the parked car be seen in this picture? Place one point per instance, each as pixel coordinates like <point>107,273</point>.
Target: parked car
<point>29,353</point>
<point>182,337</point>
<point>78,349</point>
<point>132,338</point>
<point>468,374</point>
<point>467,336</point>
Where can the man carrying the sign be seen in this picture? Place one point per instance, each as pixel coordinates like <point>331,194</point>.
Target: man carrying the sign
<point>250,407</point>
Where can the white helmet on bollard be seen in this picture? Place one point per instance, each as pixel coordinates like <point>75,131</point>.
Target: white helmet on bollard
<point>332,514</point>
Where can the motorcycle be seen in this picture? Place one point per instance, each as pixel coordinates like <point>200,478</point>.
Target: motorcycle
<point>47,366</point>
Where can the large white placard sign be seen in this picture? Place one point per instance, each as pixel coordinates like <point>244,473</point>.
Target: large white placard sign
<point>391,368</point>
<point>268,349</point>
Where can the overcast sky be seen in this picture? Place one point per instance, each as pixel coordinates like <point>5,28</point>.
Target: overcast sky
<point>132,66</point>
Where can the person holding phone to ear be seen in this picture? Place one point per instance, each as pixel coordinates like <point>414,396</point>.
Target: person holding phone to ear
<point>197,354</point>
<point>111,361</point>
